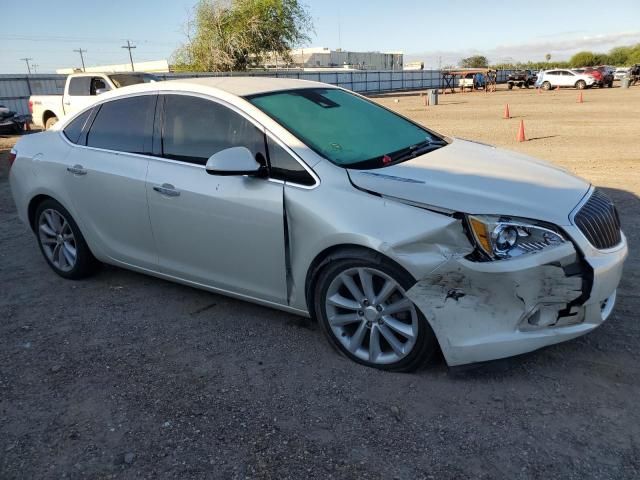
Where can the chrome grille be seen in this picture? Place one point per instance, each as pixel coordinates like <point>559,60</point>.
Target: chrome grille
<point>598,220</point>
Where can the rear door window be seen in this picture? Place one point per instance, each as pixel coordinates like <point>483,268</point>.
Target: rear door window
<point>124,125</point>
<point>195,128</point>
<point>80,86</point>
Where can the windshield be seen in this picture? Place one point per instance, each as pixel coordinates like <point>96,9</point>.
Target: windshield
<point>344,128</point>
<point>125,79</point>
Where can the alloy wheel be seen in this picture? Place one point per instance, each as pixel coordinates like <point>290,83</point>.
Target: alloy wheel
<point>57,239</point>
<point>371,315</point>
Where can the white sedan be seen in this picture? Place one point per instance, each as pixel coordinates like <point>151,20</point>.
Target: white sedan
<point>311,199</point>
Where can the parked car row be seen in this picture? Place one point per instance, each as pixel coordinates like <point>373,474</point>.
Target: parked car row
<point>580,78</point>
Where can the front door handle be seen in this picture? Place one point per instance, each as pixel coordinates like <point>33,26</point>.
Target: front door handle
<point>167,189</point>
<point>77,170</point>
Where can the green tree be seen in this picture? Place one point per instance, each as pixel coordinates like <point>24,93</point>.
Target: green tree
<point>619,55</point>
<point>226,35</point>
<point>475,61</point>
<point>583,59</point>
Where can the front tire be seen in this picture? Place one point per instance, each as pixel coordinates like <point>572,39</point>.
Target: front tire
<point>61,242</point>
<point>362,307</point>
<point>546,86</point>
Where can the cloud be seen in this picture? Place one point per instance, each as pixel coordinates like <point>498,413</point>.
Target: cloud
<point>561,47</point>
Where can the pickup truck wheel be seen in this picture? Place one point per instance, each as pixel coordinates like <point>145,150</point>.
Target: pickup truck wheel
<point>546,86</point>
<point>581,84</point>
<point>51,121</point>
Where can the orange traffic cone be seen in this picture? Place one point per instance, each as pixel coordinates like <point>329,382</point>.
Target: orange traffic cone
<point>580,99</point>
<point>521,136</point>
<point>506,115</point>
<point>539,90</point>
<point>558,88</point>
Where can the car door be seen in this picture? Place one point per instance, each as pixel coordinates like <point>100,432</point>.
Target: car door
<point>225,232</point>
<point>553,77</point>
<point>568,78</point>
<point>105,178</point>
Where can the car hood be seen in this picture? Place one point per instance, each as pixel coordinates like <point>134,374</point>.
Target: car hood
<point>474,178</point>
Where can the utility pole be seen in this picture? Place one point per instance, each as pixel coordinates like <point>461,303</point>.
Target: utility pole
<point>35,68</point>
<point>28,66</point>
<point>129,47</point>
<point>81,51</point>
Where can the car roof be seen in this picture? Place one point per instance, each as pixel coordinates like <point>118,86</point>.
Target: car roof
<point>238,86</point>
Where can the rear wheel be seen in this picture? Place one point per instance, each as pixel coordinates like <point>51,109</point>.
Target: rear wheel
<point>61,242</point>
<point>362,306</point>
<point>546,86</point>
<point>510,86</point>
<point>581,85</point>
<point>51,121</point>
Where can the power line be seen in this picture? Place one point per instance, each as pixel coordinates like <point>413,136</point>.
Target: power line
<point>129,47</point>
<point>81,51</point>
<point>27,61</point>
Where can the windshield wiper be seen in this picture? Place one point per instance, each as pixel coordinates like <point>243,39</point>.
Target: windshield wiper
<point>418,149</point>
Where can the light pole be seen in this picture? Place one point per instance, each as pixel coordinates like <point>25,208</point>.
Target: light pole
<point>129,47</point>
<point>28,66</point>
<point>81,51</point>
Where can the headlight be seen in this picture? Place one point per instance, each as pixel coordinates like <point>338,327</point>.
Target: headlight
<point>502,237</point>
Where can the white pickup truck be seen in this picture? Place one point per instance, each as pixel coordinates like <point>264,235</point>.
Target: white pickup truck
<point>80,90</point>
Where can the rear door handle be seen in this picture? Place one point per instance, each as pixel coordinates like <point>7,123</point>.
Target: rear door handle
<point>167,189</point>
<point>77,170</point>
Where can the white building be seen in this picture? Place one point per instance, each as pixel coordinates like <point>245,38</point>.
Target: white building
<point>322,57</point>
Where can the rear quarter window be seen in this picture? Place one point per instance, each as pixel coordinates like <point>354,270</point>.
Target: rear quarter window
<point>74,129</point>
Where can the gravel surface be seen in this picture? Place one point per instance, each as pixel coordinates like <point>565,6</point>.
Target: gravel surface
<point>127,376</point>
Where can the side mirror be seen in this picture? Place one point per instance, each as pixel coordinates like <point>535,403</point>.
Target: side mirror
<point>233,161</point>
<point>100,91</point>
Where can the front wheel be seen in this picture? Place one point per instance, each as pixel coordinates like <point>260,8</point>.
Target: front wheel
<point>546,86</point>
<point>363,308</point>
<point>61,242</point>
<point>581,85</point>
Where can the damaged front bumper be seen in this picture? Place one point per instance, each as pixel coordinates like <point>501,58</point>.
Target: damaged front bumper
<point>483,311</point>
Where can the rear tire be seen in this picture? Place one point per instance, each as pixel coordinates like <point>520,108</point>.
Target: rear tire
<point>510,86</point>
<point>51,121</point>
<point>581,85</point>
<point>61,242</point>
<point>400,340</point>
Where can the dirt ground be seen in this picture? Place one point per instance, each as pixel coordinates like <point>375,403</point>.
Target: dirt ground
<point>127,376</point>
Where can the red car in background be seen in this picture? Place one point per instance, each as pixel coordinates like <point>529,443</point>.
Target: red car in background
<point>601,74</point>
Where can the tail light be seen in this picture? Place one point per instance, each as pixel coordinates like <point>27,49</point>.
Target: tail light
<point>12,157</point>
<point>30,107</point>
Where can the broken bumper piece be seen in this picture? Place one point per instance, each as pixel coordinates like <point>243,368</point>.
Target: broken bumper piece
<point>483,311</point>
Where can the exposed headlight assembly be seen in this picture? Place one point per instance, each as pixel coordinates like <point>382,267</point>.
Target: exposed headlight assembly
<point>501,237</point>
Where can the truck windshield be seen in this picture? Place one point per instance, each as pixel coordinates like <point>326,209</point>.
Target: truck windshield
<point>344,128</point>
<point>125,79</point>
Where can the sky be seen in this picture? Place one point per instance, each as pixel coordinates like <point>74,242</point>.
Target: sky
<point>436,32</point>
